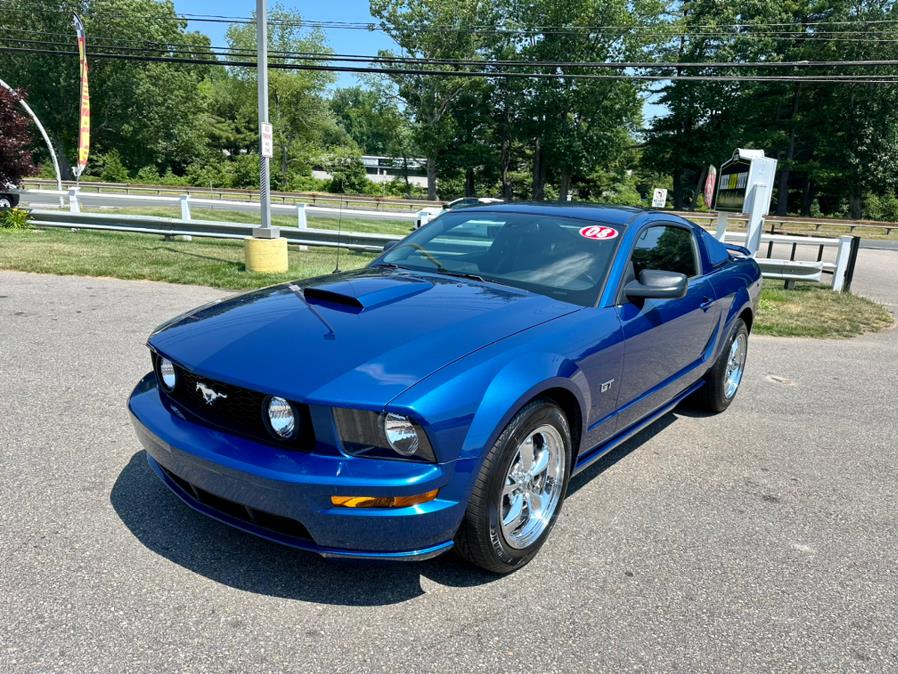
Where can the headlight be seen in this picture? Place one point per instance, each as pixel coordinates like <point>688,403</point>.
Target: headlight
<point>280,417</point>
<point>401,434</point>
<point>167,373</point>
<point>383,435</point>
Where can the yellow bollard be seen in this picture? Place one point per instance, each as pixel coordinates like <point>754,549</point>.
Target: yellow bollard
<point>266,256</point>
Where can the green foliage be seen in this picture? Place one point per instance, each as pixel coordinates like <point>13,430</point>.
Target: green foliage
<point>109,168</point>
<point>14,218</point>
<point>881,207</point>
<point>347,171</point>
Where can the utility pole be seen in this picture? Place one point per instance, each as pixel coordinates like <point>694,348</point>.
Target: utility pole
<point>266,251</point>
<point>264,128</point>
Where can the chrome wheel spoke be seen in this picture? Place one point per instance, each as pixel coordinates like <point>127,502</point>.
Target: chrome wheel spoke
<point>525,454</point>
<point>515,513</point>
<point>534,503</point>
<point>511,486</point>
<point>540,464</point>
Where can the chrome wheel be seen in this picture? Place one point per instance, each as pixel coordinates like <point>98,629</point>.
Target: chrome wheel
<point>735,365</point>
<point>532,487</point>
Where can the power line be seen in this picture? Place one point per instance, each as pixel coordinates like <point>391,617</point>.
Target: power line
<point>672,29</point>
<point>852,79</point>
<point>229,52</point>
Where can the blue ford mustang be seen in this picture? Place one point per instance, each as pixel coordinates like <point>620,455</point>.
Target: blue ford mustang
<point>445,394</point>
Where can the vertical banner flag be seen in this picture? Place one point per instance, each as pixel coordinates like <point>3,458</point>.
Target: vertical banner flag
<point>710,182</point>
<point>84,128</point>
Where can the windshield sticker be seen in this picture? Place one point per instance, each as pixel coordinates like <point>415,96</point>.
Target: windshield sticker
<point>598,232</point>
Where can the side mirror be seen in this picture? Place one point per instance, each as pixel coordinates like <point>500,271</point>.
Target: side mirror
<point>388,245</point>
<point>654,284</point>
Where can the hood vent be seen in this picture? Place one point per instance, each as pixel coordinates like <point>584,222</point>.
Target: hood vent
<point>365,293</point>
<point>322,295</point>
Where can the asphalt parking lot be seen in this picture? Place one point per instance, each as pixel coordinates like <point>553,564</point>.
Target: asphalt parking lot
<point>763,539</point>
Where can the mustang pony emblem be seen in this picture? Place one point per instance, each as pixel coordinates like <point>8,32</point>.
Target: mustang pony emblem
<point>209,395</point>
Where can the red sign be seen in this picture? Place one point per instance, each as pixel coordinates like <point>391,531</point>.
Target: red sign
<point>710,183</point>
<point>598,232</point>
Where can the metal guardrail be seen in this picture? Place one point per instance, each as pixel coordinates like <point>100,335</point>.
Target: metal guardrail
<point>782,223</point>
<point>185,202</point>
<point>220,194</point>
<point>775,223</point>
<point>145,224</point>
<point>842,269</point>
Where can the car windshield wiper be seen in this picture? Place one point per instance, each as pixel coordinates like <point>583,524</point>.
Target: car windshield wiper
<point>462,274</point>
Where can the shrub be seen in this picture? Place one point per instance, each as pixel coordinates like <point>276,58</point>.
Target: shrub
<point>112,170</point>
<point>14,218</point>
<point>148,175</point>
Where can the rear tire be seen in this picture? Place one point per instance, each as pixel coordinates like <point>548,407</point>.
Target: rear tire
<point>519,491</point>
<point>724,378</point>
<point>8,200</point>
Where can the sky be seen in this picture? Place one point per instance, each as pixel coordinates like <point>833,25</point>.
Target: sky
<point>341,41</point>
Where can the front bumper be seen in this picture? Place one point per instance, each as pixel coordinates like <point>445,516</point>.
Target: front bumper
<point>284,495</point>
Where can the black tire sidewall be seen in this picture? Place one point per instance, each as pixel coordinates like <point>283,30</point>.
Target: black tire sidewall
<point>540,414</point>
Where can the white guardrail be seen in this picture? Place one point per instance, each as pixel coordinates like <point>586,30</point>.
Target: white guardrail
<point>52,214</point>
<point>792,270</point>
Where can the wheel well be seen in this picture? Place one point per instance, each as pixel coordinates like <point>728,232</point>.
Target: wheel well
<point>747,317</point>
<point>568,403</point>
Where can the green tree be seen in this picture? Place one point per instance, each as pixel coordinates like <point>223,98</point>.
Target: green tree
<point>149,112</point>
<point>298,111</point>
<point>433,29</point>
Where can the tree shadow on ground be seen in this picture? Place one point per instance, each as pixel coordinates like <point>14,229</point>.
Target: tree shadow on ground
<point>226,555</point>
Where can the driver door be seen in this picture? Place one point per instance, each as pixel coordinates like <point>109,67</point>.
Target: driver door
<point>666,341</point>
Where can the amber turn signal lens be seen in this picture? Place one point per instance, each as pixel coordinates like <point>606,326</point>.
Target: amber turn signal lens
<point>383,501</point>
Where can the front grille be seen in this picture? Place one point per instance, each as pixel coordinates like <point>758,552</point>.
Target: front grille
<point>286,526</point>
<point>237,410</point>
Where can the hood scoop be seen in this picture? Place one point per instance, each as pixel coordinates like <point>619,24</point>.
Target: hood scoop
<point>361,294</point>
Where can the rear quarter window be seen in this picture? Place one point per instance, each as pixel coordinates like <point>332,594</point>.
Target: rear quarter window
<point>716,251</point>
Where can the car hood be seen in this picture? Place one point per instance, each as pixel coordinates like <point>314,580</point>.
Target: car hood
<point>358,338</point>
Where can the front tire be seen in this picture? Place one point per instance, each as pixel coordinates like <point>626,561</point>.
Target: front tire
<point>519,490</point>
<point>723,379</point>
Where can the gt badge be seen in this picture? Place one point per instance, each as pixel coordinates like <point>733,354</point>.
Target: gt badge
<point>607,385</point>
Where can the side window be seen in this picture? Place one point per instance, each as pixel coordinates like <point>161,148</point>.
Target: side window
<point>665,248</point>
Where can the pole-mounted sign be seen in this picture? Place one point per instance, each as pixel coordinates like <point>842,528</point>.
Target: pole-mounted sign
<point>745,186</point>
<point>84,127</point>
<point>267,135</point>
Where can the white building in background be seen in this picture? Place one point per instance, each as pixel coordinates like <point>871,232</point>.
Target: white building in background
<point>387,169</point>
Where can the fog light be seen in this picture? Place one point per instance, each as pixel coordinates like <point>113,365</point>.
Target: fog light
<point>401,434</point>
<point>280,417</point>
<point>167,373</point>
<point>383,501</point>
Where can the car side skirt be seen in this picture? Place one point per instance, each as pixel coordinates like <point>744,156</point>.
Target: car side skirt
<point>586,459</point>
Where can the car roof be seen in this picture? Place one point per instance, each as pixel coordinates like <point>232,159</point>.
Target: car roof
<point>619,215</point>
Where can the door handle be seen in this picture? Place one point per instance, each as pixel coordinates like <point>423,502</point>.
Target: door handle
<point>706,303</point>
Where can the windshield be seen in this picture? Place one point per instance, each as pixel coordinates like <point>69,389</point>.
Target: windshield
<point>564,258</point>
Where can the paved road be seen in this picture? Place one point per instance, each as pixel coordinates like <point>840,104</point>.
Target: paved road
<point>764,539</point>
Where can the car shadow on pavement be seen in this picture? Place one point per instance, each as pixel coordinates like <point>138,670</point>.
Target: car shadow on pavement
<point>168,527</point>
<point>621,451</point>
